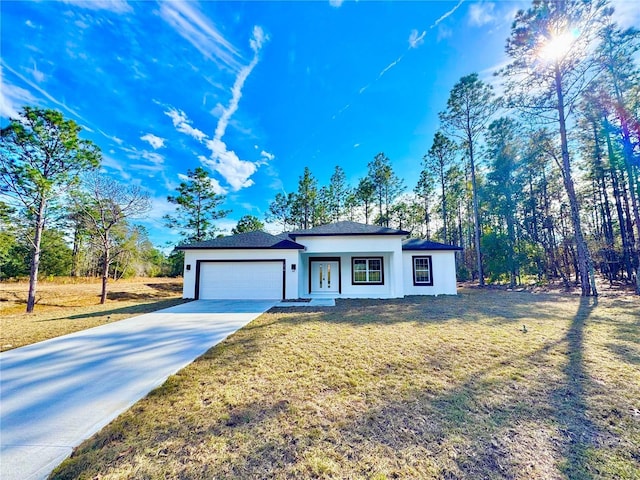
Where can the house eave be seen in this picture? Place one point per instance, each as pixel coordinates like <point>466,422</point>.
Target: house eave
<point>301,247</point>
<point>382,234</point>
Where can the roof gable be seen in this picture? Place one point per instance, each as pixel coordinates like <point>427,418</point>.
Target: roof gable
<point>346,228</point>
<point>249,240</point>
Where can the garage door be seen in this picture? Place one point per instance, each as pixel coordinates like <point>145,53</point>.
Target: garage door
<point>241,280</point>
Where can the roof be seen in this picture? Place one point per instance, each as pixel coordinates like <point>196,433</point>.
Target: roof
<point>420,244</point>
<point>249,240</point>
<point>346,229</point>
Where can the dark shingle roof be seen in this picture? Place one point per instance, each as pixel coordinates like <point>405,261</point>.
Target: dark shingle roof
<point>419,244</point>
<point>346,228</point>
<point>244,240</point>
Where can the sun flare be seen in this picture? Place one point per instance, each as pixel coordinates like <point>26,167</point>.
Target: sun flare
<point>557,46</point>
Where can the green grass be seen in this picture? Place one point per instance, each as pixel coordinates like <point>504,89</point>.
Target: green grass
<point>423,387</point>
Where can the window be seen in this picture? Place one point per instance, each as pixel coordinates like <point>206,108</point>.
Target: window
<point>422,271</point>
<point>367,271</point>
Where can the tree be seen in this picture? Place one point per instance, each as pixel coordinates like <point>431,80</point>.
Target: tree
<point>7,238</point>
<point>551,65</point>
<point>197,207</point>
<point>387,186</point>
<point>248,223</point>
<point>617,54</point>
<point>503,148</point>
<point>337,194</point>
<point>470,106</point>
<point>106,205</point>
<point>365,196</point>
<point>280,210</point>
<point>56,254</point>
<point>41,156</point>
<point>322,207</point>
<point>424,191</point>
<point>305,198</point>
<point>438,159</point>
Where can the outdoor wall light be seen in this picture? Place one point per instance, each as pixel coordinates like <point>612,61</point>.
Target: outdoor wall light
<point>188,267</point>
<point>293,267</point>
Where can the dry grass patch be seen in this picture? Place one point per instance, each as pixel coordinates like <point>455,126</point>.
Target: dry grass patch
<point>68,305</point>
<point>446,387</point>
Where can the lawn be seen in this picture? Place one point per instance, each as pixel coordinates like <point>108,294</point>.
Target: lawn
<point>446,387</point>
<point>67,305</point>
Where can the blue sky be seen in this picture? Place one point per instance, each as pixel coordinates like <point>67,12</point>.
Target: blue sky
<point>252,91</point>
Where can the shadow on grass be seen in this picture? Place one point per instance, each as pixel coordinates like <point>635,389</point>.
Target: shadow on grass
<point>130,310</point>
<point>166,287</point>
<point>488,425</point>
<point>496,307</point>
<point>569,400</point>
<point>626,353</point>
<point>427,422</point>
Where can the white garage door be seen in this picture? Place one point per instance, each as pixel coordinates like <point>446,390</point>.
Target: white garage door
<point>241,280</point>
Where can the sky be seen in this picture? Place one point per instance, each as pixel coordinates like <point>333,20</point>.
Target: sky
<point>251,91</point>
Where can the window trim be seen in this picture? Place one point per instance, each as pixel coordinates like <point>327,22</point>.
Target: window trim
<point>353,270</point>
<point>413,267</point>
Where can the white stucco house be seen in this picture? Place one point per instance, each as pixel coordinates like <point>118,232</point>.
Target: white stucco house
<point>343,259</point>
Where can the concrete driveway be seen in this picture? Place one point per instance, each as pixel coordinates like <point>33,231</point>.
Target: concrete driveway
<point>57,393</point>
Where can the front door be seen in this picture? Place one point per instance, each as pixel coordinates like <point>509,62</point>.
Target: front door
<point>325,276</point>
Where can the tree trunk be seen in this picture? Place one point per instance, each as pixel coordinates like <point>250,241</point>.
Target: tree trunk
<point>35,258</point>
<point>512,245</point>
<point>585,268</point>
<point>444,207</point>
<point>617,196</point>
<point>476,215</point>
<point>601,178</point>
<point>105,272</point>
<point>627,149</point>
<point>76,251</point>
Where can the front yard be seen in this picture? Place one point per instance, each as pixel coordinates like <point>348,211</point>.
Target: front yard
<point>65,305</point>
<point>431,387</point>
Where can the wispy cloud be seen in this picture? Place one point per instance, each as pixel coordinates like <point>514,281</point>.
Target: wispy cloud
<point>153,140</point>
<point>390,66</point>
<point>115,6</point>
<point>336,3</point>
<point>215,184</point>
<point>626,13</point>
<point>415,39</point>
<point>341,111</point>
<point>41,91</point>
<point>267,156</point>
<point>447,14</point>
<point>235,171</point>
<point>113,138</point>
<point>183,124</point>
<point>197,29</point>
<point>37,75</point>
<point>227,163</point>
<point>12,98</point>
<point>256,43</point>
<point>109,162</point>
<point>481,13</point>
<point>155,160</point>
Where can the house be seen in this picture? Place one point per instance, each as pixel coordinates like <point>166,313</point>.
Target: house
<point>343,259</point>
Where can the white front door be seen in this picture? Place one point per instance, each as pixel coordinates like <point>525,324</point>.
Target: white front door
<point>325,277</point>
